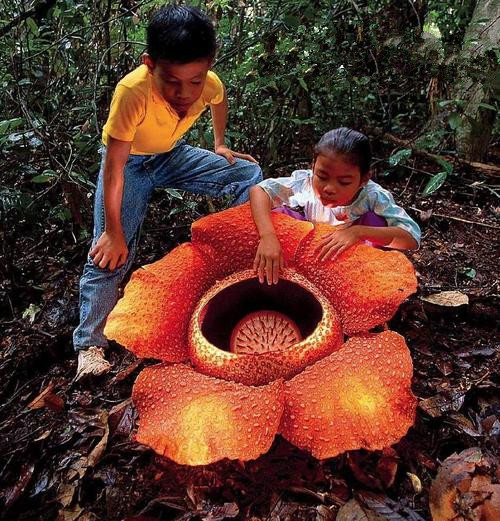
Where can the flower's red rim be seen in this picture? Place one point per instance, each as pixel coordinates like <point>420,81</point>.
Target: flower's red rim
<point>326,337</point>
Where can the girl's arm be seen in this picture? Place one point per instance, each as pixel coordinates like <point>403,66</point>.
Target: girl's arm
<point>391,236</point>
<point>338,241</point>
<point>269,258</point>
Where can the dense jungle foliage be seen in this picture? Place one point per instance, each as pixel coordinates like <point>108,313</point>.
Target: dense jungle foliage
<point>293,69</point>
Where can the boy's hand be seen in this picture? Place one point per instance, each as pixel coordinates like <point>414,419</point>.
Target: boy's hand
<point>269,259</point>
<point>337,242</point>
<point>229,154</point>
<point>110,251</point>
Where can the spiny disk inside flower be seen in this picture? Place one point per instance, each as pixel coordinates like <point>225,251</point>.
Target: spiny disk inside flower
<point>264,331</point>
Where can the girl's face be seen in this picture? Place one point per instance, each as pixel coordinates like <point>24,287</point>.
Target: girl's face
<point>336,180</point>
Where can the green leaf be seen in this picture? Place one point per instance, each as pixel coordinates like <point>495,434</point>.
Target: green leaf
<point>8,125</point>
<point>303,84</point>
<point>63,214</point>
<point>31,312</point>
<point>435,183</point>
<point>487,106</point>
<point>291,21</point>
<point>454,120</point>
<point>272,84</point>
<point>174,193</point>
<point>32,26</point>
<point>448,167</point>
<point>13,199</point>
<point>400,157</point>
<point>468,272</point>
<point>46,176</point>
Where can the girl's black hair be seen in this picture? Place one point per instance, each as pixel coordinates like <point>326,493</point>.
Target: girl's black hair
<point>347,142</point>
<point>180,34</point>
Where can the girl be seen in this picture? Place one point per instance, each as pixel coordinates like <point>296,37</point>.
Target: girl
<point>337,190</point>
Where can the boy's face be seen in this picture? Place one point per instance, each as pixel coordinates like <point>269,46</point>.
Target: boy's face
<point>336,180</point>
<point>180,84</point>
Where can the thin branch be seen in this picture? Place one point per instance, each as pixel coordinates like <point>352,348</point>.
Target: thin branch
<point>78,32</point>
<point>467,221</point>
<point>39,11</point>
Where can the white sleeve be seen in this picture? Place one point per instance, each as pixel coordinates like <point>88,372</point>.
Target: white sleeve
<point>281,190</point>
<point>383,204</point>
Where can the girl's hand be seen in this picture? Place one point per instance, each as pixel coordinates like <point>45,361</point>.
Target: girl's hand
<point>269,259</point>
<point>110,251</point>
<point>337,242</point>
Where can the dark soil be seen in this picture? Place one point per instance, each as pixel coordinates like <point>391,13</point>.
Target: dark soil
<point>54,460</point>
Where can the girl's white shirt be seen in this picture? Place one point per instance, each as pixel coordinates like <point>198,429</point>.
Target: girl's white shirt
<point>297,191</point>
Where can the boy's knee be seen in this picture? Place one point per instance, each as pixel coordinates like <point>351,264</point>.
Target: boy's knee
<point>258,175</point>
<point>253,173</point>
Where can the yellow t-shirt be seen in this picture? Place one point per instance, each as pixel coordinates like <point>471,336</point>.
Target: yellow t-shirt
<point>139,113</point>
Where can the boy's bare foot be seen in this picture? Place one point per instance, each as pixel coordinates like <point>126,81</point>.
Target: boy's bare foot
<point>91,361</point>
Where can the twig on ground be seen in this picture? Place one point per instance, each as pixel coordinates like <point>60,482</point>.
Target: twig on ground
<point>442,216</point>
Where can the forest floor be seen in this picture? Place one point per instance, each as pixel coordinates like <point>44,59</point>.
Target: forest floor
<point>70,455</point>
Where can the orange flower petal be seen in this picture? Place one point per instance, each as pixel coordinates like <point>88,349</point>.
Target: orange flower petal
<point>234,238</point>
<point>152,318</point>
<point>365,284</point>
<point>322,338</point>
<point>358,397</point>
<point>196,420</point>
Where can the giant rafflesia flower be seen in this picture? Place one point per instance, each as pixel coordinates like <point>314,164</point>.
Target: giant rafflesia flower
<point>243,361</point>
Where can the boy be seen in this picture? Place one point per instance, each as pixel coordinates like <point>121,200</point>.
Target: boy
<point>152,108</point>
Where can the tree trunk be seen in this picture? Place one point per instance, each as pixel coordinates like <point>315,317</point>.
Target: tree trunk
<point>474,134</point>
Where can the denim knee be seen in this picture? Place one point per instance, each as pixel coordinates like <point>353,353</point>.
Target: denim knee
<point>256,175</point>
<point>250,175</point>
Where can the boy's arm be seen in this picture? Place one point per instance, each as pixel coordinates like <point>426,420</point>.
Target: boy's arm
<point>219,122</point>
<point>268,259</point>
<point>111,248</point>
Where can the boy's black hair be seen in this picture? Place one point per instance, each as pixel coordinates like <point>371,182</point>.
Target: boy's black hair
<point>180,34</point>
<point>347,142</point>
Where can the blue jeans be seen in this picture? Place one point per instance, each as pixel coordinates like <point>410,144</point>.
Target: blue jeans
<point>185,168</point>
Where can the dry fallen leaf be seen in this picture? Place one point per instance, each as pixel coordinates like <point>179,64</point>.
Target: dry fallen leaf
<point>98,450</point>
<point>463,488</point>
<point>449,400</point>
<point>415,482</point>
<point>387,466</point>
<point>47,399</point>
<point>447,299</point>
<point>11,495</point>
<point>352,511</point>
<point>324,513</point>
<point>65,494</point>
<point>385,507</point>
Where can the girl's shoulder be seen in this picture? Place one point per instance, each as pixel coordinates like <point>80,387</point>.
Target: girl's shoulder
<point>301,175</point>
<point>374,191</point>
